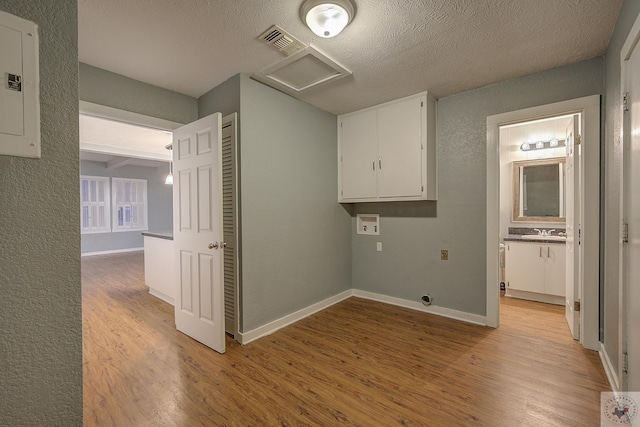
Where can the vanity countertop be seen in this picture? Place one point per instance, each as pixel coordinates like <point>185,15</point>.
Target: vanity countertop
<point>163,234</point>
<point>523,238</point>
<point>526,234</point>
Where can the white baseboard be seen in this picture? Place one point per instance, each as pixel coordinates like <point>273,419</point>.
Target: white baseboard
<point>269,328</point>
<point>163,297</point>
<point>608,369</point>
<point>415,305</point>
<point>115,251</point>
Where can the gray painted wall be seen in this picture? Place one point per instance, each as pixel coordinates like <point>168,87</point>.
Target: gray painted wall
<point>296,244</point>
<point>114,90</point>
<point>612,162</point>
<point>41,318</point>
<point>224,98</point>
<point>160,206</point>
<point>413,234</point>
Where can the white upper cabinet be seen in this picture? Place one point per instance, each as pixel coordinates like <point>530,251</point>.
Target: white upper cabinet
<point>387,152</point>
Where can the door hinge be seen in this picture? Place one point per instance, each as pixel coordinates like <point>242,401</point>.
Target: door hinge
<point>422,188</point>
<point>421,103</point>
<point>578,140</point>
<point>625,362</point>
<point>341,193</point>
<point>625,102</point>
<point>576,306</point>
<point>625,233</point>
<point>579,235</point>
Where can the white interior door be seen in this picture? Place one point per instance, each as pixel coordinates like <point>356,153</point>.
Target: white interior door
<point>197,231</point>
<point>572,211</point>
<point>631,216</point>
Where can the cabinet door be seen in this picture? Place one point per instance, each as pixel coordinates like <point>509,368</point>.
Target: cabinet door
<point>524,267</point>
<point>401,127</point>
<point>359,155</point>
<point>555,278</point>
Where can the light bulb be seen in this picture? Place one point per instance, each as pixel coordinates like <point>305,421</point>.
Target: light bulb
<point>539,144</point>
<point>169,179</point>
<point>327,20</point>
<point>553,142</point>
<point>525,146</point>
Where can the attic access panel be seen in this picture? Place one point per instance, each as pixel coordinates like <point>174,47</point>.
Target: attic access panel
<point>301,71</point>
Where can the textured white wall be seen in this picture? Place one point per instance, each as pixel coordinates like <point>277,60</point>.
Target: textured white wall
<point>40,318</point>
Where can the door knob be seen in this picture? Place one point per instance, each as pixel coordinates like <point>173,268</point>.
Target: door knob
<point>213,245</point>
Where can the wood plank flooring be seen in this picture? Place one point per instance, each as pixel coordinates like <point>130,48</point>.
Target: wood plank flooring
<point>357,363</point>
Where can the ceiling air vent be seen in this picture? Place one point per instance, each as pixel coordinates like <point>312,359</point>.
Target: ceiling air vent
<point>306,69</point>
<point>282,40</point>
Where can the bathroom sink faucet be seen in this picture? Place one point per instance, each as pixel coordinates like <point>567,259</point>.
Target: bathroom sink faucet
<point>539,231</point>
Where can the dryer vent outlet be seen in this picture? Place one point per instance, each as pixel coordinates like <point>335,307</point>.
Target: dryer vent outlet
<point>426,300</point>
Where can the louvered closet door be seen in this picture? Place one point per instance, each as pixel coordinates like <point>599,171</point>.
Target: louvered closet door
<point>229,223</point>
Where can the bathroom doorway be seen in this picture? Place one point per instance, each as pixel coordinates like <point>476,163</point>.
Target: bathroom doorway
<point>525,145</point>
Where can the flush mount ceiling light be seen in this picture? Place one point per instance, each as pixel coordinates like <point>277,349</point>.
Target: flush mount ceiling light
<point>327,18</point>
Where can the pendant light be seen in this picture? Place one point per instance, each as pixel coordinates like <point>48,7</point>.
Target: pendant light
<point>327,18</point>
<point>169,179</point>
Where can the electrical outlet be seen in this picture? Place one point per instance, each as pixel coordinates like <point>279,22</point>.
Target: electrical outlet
<point>444,254</point>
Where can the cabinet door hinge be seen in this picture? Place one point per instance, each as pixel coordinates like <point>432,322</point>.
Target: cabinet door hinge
<point>625,233</point>
<point>578,140</point>
<point>625,362</point>
<point>576,306</point>
<point>625,102</point>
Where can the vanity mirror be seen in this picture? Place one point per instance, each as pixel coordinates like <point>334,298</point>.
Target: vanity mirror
<point>538,190</point>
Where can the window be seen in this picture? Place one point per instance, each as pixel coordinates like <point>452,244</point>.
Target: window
<point>129,204</point>
<point>94,204</point>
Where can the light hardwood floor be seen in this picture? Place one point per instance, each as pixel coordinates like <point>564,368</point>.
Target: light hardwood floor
<point>356,363</point>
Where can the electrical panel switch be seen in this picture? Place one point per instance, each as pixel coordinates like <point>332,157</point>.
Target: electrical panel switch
<point>19,88</point>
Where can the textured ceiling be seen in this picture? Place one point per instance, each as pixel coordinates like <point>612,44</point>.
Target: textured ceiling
<point>393,47</point>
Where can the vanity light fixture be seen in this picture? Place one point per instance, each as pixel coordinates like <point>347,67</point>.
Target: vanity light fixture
<point>327,18</point>
<point>541,145</point>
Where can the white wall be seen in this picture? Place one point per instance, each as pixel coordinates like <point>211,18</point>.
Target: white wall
<point>511,138</point>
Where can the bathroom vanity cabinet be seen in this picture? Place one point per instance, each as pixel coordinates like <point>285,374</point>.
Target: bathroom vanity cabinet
<point>536,267</point>
<point>387,152</point>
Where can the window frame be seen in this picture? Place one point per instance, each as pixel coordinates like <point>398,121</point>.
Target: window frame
<point>116,204</point>
<point>106,204</point>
